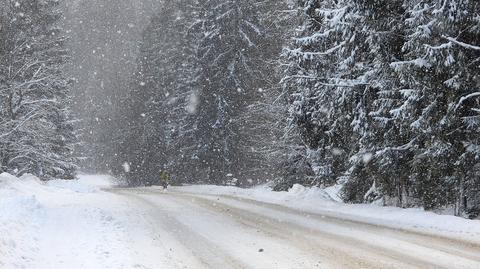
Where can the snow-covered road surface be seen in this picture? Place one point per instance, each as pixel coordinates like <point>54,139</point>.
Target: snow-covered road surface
<point>206,231</point>
<point>91,225</point>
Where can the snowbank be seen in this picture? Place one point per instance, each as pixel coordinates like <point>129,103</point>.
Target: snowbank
<point>84,184</point>
<point>326,202</point>
<point>20,215</point>
<point>27,205</point>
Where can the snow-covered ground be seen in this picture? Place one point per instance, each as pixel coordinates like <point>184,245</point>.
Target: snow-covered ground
<point>89,224</point>
<point>326,202</point>
<point>61,224</point>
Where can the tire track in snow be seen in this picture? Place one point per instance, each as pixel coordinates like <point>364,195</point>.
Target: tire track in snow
<point>206,252</point>
<point>465,249</point>
<point>335,250</point>
<point>331,241</point>
<point>422,251</point>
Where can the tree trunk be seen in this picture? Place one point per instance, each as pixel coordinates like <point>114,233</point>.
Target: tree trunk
<point>461,202</point>
<point>404,195</point>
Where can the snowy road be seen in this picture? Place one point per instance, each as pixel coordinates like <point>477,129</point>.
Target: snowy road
<point>88,224</point>
<point>204,231</point>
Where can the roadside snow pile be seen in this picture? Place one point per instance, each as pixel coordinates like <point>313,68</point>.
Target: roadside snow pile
<point>327,203</point>
<point>32,214</point>
<point>85,183</point>
<point>20,219</point>
<point>264,193</point>
<point>300,192</point>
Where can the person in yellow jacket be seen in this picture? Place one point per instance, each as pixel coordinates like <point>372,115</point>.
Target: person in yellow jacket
<point>164,179</point>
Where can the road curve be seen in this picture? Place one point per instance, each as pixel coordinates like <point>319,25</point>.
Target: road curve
<point>227,232</point>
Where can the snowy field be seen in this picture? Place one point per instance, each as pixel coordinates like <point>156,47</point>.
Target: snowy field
<point>89,224</point>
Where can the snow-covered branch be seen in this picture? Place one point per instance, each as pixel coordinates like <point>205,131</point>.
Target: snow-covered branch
<point>462,44</point>
<point>466,97</point>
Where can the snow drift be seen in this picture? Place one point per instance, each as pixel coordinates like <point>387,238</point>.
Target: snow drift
<point>32,213</point>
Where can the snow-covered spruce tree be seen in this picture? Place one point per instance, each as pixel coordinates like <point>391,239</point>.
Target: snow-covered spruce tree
<point>263,121</point>
<point>405,128</point>
<point>326,80</point>
<point>422,142</point>
<point>441,74</point>
<point>160,99</point>
<point>172,108</point>
<point>36,133</point>
<point>380,167</point>
<point>284,149</point>
<point>232,55</point>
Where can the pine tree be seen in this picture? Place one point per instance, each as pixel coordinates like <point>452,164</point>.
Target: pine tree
<point>155,121</point>
<point>380,165</point>
<point>36,133</point>
<point>231,56</point>
<point>326,77</point>
<point>441,70</point>
<point>262,140</point>
<point>383,94</point>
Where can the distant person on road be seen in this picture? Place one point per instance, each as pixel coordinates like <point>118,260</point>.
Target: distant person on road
<point>164,179</point>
